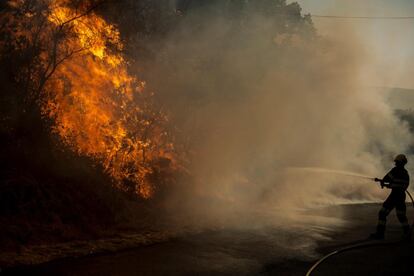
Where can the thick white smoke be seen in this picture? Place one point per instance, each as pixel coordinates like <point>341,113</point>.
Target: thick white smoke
<point>251,104</point>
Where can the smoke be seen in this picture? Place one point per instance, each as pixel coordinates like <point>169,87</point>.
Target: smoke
<point>382,36</point>
<point>251,101</point>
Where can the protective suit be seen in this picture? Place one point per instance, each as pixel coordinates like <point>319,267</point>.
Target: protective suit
<point>397,179</point>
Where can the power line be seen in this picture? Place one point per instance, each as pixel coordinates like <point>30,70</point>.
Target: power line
<point>362,17</point>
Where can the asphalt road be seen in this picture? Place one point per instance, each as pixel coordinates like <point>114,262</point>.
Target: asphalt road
<point>267,250</point>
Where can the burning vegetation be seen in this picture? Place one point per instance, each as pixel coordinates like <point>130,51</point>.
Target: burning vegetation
<point>80,80</point>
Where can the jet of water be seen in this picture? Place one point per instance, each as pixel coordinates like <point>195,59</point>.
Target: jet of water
<point>329,171</point>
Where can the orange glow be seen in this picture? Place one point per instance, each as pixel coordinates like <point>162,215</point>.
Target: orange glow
<point>101,111</point>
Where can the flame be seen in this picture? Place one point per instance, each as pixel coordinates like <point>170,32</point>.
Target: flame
<point>101,111</point>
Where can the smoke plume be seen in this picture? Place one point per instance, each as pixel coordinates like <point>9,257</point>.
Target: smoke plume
<point>251,101</point>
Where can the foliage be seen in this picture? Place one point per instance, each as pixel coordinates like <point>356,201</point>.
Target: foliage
<point>70,66</point>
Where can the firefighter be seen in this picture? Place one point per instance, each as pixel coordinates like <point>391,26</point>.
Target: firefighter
<point>397,180</point>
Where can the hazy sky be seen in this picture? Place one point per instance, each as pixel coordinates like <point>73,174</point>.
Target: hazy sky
<point>390,42</point>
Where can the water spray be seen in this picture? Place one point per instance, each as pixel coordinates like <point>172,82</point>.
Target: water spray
<point>359,245</point>
<point>329,171</point>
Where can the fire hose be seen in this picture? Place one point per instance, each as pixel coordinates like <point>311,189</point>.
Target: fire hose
<point>360,245</point>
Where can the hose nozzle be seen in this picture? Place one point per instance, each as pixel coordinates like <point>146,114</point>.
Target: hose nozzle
<point>381,182</point>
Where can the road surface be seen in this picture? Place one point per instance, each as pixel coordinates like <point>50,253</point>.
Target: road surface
<point>255,251</point>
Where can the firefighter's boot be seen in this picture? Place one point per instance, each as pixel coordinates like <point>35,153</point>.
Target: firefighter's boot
<point>406,233</point>
<point>379,235</point>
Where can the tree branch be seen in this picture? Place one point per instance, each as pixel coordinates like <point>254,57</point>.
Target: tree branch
<point>88,11</point>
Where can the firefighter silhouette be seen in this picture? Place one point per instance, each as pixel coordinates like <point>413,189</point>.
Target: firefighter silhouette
<point>397,180</point>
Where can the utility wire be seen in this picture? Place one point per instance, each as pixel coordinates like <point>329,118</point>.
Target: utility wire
<point>362,17</point>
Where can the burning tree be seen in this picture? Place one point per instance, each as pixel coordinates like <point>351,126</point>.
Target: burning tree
<point>71,70</point>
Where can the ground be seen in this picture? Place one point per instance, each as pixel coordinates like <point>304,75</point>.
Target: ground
<point>255,251</point>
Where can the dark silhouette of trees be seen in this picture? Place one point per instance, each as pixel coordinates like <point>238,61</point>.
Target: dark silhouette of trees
<point>39,181</point>
<point>34,48</point>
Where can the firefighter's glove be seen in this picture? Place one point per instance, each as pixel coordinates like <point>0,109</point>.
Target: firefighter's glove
<point>381,182</point>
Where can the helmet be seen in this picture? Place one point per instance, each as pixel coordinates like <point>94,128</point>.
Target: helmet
<point>401,158</point>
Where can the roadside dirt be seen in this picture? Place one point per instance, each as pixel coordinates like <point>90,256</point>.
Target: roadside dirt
<point>271,251</point>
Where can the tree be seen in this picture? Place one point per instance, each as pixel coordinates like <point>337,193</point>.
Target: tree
<point>70,69</point>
